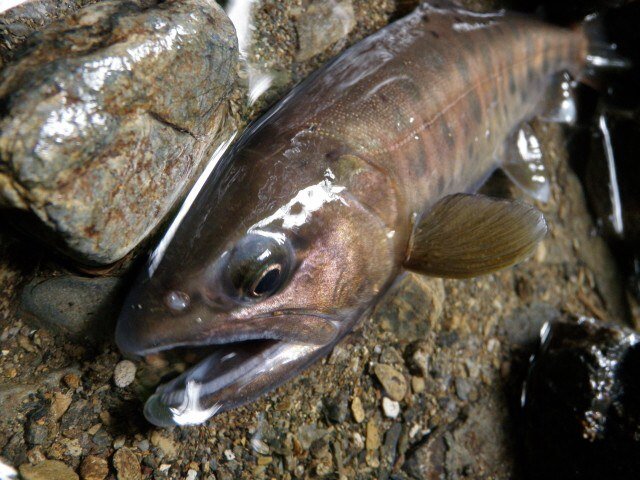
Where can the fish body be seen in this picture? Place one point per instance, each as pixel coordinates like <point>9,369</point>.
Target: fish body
<point>316,210</point>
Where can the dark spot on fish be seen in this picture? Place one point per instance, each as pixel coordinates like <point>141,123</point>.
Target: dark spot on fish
<point>463,68</point>
<point>512,83</point>
<point>418,164</point>
<point>485,53</point>
<point>425,18</point>
<point>457,19</point>
<point>471,151</point>
<point>383,97</point>
<point>434,34</point>
<point>531,74</point>
<point>447,133</point>
<point>332,155</point>
<point>474,105</point>
<point>546,64</point>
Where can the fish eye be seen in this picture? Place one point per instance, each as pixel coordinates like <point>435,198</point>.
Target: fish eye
<point>267,282</point>
<point>258,267</point>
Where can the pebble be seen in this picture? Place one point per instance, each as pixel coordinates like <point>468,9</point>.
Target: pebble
<point>192,474</point>
<point>418,384</point>
<point>356,410</point>
<point>47,470</point>
<point>71,380</point>
<point>372,441</point>
<point>127,464</point>
<point>118,442</point>
<point>337,408</point>
<point>229,455</point>
<point>37,434</point>
<point>392,381</point>
<point>259,446</point>
<point>463,388</point>
<point>143,445</point>
<point>358,441</point>
<point>391,408</point>
<point>165,444</point>
<point>124,374</point>
<point>94,468</point>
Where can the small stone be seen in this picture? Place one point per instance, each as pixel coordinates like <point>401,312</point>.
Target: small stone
<point>72,445</point>
<point>192,474</point>
<point>391,408</point>
<point>463,388</point>
<point>71,380</point>
<point>94,468</point>
<point>143,445</point>
<point>418,384</point>
<point>392,381</point>
<point>229,455</point>
<point>47,470</point>
<point>358,442</point>
<point>118,443</point>
<point>94,429</point>
<point>37,434</point>
<point>259,446</point>
<point>165,444</point>
<point>124,374</point>
<point>127,465</point>
<point>356,410</point>
<point>373,435</point>
<point>337,408</point>
<point>264,460</point>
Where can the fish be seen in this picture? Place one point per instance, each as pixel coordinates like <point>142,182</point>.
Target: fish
<point>367,169</point>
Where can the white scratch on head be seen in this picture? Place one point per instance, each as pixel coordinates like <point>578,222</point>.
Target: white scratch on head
<point>306,201</point>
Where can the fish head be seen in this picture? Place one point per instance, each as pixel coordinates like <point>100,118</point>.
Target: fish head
<point>274,272</point>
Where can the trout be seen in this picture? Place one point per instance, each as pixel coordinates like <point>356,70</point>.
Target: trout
<point>366,169</point>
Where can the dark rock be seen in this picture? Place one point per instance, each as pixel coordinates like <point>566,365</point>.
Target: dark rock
<point>523,327</point>
<point>391,437</point>
<point>337,408</point>
<point>108,116</point>
<point>582,403</point>
<point>426,460</point>
<point>78,306</point>
<point>37,434</point>
<point>78,417</point>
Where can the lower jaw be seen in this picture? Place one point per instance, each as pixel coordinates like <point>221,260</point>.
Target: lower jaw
<point>228,376</point>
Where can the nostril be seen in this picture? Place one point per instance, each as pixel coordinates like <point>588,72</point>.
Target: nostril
<point>177,301</point>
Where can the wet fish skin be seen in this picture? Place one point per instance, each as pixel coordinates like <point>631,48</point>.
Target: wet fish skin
<point>335,177</point>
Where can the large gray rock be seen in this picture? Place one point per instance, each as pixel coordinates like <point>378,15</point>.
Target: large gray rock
<point>107,116</point>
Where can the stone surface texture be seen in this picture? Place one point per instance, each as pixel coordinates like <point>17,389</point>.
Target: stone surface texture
<point>108,116</point>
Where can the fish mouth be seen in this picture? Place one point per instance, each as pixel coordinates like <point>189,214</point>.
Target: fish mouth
<point>228,376</point>
<point>226,371</point>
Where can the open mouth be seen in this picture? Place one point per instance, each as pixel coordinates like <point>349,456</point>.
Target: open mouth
<point>224,377</point>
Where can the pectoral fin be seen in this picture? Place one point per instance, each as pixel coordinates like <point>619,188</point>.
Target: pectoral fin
<point>467,235</point>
